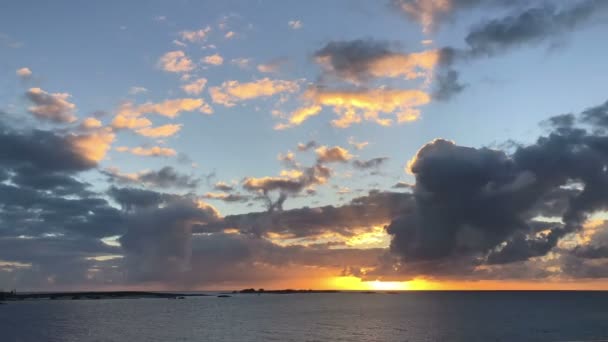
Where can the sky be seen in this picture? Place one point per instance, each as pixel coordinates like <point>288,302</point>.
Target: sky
<point>383,145</point>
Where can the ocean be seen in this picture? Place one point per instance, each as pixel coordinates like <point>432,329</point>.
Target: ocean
<point>410,316</point>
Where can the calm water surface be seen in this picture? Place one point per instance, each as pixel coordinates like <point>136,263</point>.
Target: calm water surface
<point>438,316</point>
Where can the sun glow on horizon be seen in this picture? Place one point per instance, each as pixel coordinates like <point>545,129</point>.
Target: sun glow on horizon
<point>355,283</point>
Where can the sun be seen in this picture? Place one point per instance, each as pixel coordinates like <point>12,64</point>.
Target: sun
<point>355,283</point>
<point>388,285</point>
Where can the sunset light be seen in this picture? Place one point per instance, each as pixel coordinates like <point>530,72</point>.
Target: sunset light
<point>395,170</point>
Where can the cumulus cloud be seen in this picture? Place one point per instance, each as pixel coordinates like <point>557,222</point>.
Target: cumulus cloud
<point>195,36</point>
<point>94,144</point>
<point>290,183</point>
<point>222,186</point>
<point>353,106</point>
<point>358,145</point>
<point>51,106</point>
<point>160,131</point>
<point>166,177</point>
<point>176,61</point>
<point>272,66</point>
<point>231,92</point>
<point>335,154</point>
<point>309,145</point>
<point>358,61</point>
<point>169,108</point>
<point>214,59</point>
<point>295,24</point>
<point>24,72</point>
<point>195,87</point>
<point>90,123</point>
<point>154,151</point>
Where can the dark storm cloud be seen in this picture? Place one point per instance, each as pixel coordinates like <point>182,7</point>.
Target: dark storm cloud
<point>480,205</point>
<point>370,163</point>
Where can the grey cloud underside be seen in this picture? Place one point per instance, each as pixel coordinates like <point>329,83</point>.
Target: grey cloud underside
<point>166,177</point>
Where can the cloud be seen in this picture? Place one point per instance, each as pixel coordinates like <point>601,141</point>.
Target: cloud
<point>447,85</point>
<point>375,209</point>
<point>195,36</point>
<point>242,63</point>
<point>230,35</point>
<point>358,61</point>
<point>222,196</point>
<point>54,107</point>
<point>335,154</point>
<point>196,87</point>
<point>176,61</point>
<point>137,90</point>
<point>231,92</point>
<point>154,151</point>
<point>130,122</point>
<point>373,163</point>
<point>287,184</point>
<point>295,24</point>
<point>352,106</point>
<point>221,186</point>
<point>533,25</point>
<point>305,147</point>
<point>273,66</point>
<point>90,123</point>
<point>169,108</point>
<point>214,59</point>
<point>166,177</point>
<point>160,131</point>
<point>94,144</point>
<point>358,145</point>
<point>24,72</point>
<point>483,206</point>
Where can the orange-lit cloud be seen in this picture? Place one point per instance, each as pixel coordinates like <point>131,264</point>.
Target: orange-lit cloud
<point>426,12</point>
<point>176,61</point>
<point>51,106</point>
<point>231,92</point>
<point>195,87</point>
<point>332,154</point>
<point>195,36</point>
<point>214,59</point>
<point>24,72</point>
<point>159,131</point>
<point>154,151</point>
<point>90,123</point>
<point>130,122</point>
<point>353,106</point>
<point>93,146</point>
<point>390,65</point>
<point>169,108</point>
<point>358,145</point>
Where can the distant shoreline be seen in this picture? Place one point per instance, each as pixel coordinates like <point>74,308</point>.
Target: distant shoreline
<point>97,295</point>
